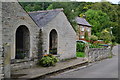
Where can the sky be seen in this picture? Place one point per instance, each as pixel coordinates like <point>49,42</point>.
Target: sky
<point>113,1</point>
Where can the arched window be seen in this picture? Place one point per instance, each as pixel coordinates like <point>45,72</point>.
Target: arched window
<point>53,42</point>
<point>22,42</point>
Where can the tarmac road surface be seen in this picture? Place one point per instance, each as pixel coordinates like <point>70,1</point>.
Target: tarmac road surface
<point>107,68</point>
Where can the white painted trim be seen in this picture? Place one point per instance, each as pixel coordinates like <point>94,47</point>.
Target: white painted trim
<point>49,39</point>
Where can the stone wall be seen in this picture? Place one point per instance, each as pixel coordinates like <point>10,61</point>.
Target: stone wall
<point>23,65</point>
<point>1,49</point>
<point>96,54</point>
<point>66,47</point>
<point>1,63</point>
<point>13,17</point>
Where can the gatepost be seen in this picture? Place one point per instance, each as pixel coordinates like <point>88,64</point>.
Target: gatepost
<point>1,63</point>
<point>86,50</point>
<point>7,59</point>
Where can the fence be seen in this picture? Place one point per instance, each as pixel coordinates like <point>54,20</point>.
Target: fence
<point>96,54</point>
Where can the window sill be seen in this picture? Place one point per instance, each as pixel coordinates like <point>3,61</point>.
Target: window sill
<point>13,61</point>
<point>57,55</point>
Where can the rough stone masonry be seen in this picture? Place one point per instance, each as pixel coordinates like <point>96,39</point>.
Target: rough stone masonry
<point>1,49</point>
<point>23,32</point>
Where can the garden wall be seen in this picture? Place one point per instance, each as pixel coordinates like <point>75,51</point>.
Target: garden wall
<point>96,54</point>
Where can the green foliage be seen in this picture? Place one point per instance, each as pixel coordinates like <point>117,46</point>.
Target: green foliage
<point>86,35</point>
<point>100,15</point>
<point>35,6</point>
<point>48,60</point>
<point>50,7</point>
<point>69,11</point>
<point>108,8</point>
<point>80,47</point>
<point>80,54</point>
<point>116,31</point>
<point>113,11</point>
<point>93,38</point>
<point>97,19</point>
<point>95,46</point>
<point>106,36</point>
<point>81,7</point>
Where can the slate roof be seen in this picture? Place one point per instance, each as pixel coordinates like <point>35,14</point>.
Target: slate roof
<point>41,18</point>
<point>82,21</point>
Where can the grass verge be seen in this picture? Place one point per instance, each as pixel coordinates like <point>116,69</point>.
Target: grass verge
<point>80,54</point>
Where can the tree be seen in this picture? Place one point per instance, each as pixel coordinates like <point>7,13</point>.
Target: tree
<point>86,35</point>
<point>97,19</point>
<point>100,15</point>
<point>108,8</point>
<point>106,36</point>
<point>116,27</point>
<point>68,10</point>
<point>35,6</point>
<point>116,31</point>
<point>93,38</point>
<point>113,12</point>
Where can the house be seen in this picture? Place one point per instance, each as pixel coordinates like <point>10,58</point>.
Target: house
<point>35,33</point>
<point>83,28</point>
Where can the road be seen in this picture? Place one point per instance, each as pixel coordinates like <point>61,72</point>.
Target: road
<point>107,68</point>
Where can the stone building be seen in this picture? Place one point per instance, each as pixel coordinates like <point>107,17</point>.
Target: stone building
<point>34,34</point>
<point>83,27</point>
<point>57,33</point>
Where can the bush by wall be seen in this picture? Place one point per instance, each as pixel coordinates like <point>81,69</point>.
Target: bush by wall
<point>80,47</point>
<point>48,60</point>
<point>93,38</point>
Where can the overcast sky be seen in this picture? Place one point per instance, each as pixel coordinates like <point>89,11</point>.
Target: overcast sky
<point>113,1</point>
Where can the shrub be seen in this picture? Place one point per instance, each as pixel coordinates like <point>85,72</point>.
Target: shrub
<point>106,35</point>
<point>48,60</point>
<point>95,46</point>
<point>93,38</point>
<point>80,47</point>
<point>86,35</point>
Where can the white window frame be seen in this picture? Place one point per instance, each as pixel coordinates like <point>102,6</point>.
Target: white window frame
<point>82,37</point>
<point>88,29</point>
<point>82,28</point>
